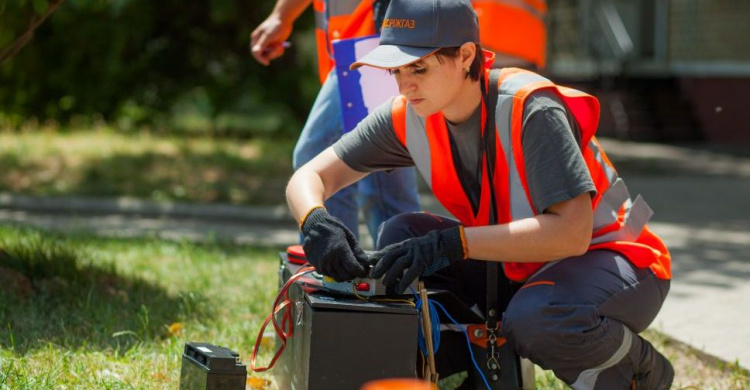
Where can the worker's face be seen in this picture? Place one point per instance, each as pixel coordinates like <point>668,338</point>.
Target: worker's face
<point>430,84</point>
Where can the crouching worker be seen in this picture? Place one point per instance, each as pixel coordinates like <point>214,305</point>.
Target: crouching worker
<point>513,158</point>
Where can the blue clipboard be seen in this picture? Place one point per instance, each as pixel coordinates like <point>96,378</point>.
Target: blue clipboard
<point>364,89</point>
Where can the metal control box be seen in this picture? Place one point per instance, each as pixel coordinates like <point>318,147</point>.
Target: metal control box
<point>341,343</point>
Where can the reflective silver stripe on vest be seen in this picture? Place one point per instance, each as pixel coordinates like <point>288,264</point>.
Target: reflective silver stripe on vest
<point>611,173</point>
<point>341,7</point>
<point>418,144</point>
<point>611,201</point>
<point>320,20</point>
<point>519,203</point>
<point>637,214</point>
<point>513,83</point>
<point>334,8</point>
<point>523,5</point>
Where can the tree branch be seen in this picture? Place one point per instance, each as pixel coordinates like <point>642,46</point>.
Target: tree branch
<point>8,52</point>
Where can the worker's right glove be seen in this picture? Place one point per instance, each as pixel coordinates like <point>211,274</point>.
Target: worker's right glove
<point>401,263</point>
<point>332,248</point>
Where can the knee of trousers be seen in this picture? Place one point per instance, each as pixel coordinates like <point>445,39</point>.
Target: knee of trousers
<point>408,225</point>
<point>397,229</point>
<point>549,334</point>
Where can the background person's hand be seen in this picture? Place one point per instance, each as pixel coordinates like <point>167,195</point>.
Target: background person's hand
<point>403,262</point>
<point>331,248</point>
<point>267,40</point>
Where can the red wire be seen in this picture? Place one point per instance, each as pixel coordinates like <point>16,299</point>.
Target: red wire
<point>285,330</point>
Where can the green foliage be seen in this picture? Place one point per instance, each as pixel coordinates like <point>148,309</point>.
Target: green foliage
<point>40,6</point>
<point>165,64</point>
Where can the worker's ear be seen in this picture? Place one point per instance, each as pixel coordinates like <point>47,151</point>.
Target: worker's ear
<point>466,54</point>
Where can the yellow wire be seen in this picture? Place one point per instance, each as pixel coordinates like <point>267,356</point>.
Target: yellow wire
<point>412,304</point>
<point>423,365</point>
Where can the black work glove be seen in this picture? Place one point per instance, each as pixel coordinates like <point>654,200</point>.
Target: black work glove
<point>417,256</point>
<point>331,248</point>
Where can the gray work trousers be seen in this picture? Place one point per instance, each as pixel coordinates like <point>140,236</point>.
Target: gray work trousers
<point>579,317</point>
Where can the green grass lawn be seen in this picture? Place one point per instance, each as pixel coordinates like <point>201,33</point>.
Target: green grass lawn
<point>80,311</point>
<point>96,313</point>
<point>103,162</point>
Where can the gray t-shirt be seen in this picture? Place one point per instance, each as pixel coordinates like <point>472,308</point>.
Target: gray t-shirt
<point>555,169</point>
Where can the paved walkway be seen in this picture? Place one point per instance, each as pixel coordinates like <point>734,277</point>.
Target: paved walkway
<point>701,197</point>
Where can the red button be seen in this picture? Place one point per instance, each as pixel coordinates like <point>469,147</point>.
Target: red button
<point>362,286</point>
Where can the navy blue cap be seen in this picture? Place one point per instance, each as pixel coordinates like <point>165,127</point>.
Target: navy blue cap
<point>414,29</point>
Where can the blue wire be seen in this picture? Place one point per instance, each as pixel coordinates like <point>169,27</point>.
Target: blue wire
<point>435,319</point>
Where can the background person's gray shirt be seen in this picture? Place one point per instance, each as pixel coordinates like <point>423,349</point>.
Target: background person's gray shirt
<point>555,169</point>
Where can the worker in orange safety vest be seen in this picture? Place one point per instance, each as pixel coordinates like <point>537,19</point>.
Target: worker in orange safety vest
<point>514,29</point>
<point>513,158</point>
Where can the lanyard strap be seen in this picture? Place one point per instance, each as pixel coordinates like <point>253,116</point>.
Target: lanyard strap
<point>490,154</point>
<point>492,266</point>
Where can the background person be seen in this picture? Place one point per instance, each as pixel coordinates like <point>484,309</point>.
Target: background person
<point>583,274</point>
<point>381,195</point>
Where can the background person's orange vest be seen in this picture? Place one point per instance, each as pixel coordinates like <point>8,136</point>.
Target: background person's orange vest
<point>512,28</point>
<point>339,19</point>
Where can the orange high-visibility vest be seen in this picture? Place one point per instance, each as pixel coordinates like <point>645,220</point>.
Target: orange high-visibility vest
<point>619,221</point>
<point>339,19</point>
<point>515,28</point>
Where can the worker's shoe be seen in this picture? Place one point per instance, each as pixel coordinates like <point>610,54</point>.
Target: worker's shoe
<point>657,371</point>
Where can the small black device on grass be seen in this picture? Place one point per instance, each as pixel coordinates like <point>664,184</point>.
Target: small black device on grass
<point>210,367</point>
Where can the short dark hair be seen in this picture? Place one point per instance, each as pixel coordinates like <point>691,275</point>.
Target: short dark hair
<point>475,70</point>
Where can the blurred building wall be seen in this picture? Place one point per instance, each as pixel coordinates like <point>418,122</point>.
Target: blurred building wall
<point>710,49</point>
<point>665,70</point>
<point>709,31</point>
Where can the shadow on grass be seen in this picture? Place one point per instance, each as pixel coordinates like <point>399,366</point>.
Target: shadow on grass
<point>50,294</point>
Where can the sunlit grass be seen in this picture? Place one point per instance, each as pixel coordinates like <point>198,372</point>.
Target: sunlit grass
<point>103,162</point>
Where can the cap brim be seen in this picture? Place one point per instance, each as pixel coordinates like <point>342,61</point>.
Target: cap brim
<point>392,56</point>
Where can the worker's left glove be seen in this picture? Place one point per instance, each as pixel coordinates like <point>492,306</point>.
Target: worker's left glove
<point>403,262</point>
<point>332,248</point>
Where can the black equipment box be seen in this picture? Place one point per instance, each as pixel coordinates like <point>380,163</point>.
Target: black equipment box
<point>342,342</point>
<point>354,342</point>
<point>209,367</point>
